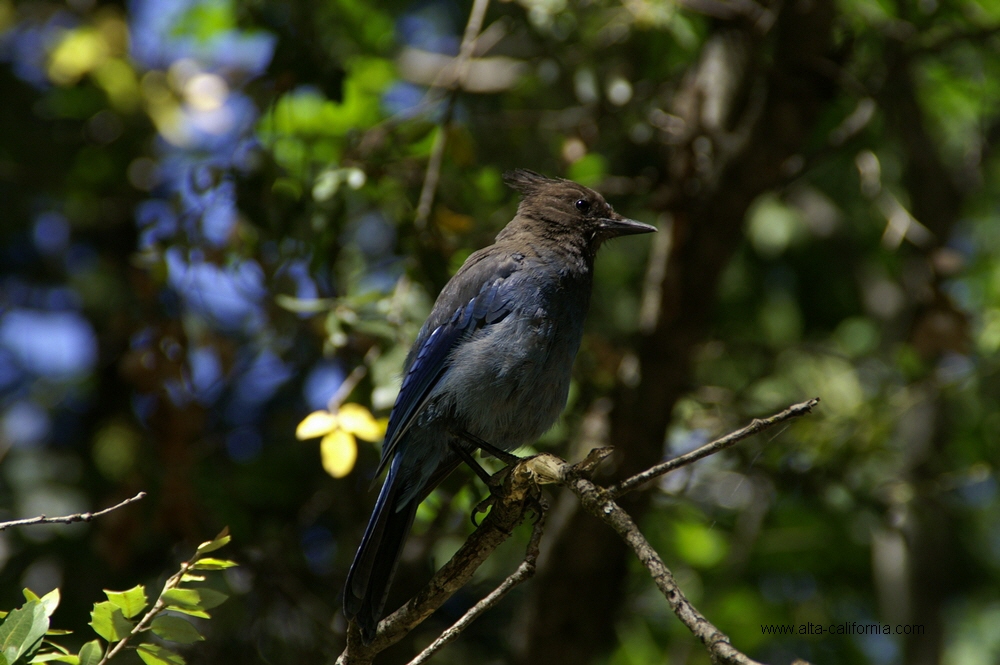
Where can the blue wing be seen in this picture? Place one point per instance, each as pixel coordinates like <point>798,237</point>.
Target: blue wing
<point>455,315</point>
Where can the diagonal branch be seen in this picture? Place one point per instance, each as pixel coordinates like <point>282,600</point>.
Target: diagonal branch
<point>511,501</point>
<point>757,426</point>
<point>599,502</point>
<point>69,519</point>
<point>522,573</point>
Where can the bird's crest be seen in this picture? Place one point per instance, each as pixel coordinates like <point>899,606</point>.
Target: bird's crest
<point>526,181</point>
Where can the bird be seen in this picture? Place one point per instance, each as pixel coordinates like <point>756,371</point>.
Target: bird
<point>490,368</point>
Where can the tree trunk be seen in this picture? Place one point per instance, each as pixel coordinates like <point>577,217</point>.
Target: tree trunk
<point>744,123</point>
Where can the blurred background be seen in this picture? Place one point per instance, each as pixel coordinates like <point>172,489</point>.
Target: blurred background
<point>216,216</point>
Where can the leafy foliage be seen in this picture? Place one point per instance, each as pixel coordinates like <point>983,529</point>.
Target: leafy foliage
<point>117,619</point>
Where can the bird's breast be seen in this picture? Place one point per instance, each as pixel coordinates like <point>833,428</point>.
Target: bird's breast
<point>509,381</point>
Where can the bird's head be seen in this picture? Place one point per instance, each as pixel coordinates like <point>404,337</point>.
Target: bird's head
<point>558,207</point>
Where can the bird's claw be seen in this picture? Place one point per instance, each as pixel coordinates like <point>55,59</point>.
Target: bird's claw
<point>538,505</point>
<point>482,507</point>
<point>495,486</point>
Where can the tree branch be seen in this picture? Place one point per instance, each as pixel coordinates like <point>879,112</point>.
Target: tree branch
<point>69,519</point>
<point>511,500</point>
<point>510,504</point>
<point>522,573</point>
<point>433,173</point>
<point>757,426</point>
<point>600,503</point>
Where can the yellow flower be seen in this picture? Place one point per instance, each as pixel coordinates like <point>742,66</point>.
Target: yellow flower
<point>339,447</point>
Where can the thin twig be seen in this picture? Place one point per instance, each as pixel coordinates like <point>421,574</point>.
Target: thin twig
<point>352,380</point>
<point>465,52</point>
<point>433,174</point>
<point>69,519</point>
<point>598,502</point>
<point>523,572</point>
<point>757,426</point>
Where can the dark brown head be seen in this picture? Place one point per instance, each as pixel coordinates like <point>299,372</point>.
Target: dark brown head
<point>556,207</point>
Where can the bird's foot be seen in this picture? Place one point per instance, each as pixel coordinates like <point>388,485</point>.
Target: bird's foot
<point>494,484</point>
<point>538,505</point>
<point>481,508</point>
<point>534,501</point>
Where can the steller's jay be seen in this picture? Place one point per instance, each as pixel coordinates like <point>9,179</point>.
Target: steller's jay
<point>490,367</point>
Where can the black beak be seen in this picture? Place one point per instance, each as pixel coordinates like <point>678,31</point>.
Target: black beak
<point>616,225</point>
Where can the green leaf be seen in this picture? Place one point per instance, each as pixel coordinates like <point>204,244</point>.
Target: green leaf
<point>211,598</point>
<point>204,599</point>
<point>91,653</point>
<point>181,598</point>
<point>55,657</point>
<point>23,630</point>
<point>29,594</point>
<point>58,647</point>
<point>50,602</point>
<point>214,564</point>
<point>58,631</point>
<point>176,629</point>
<point>154,654</point>
<point>188,577</point>
<point>108,621</point>
<point>219,541</point>
<point>190,611</point>
<point>130,602</point>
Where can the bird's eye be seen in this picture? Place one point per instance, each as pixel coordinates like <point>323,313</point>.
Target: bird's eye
<point>583,205</point>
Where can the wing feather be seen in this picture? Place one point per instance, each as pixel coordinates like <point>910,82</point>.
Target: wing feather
<point>459,311</point>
